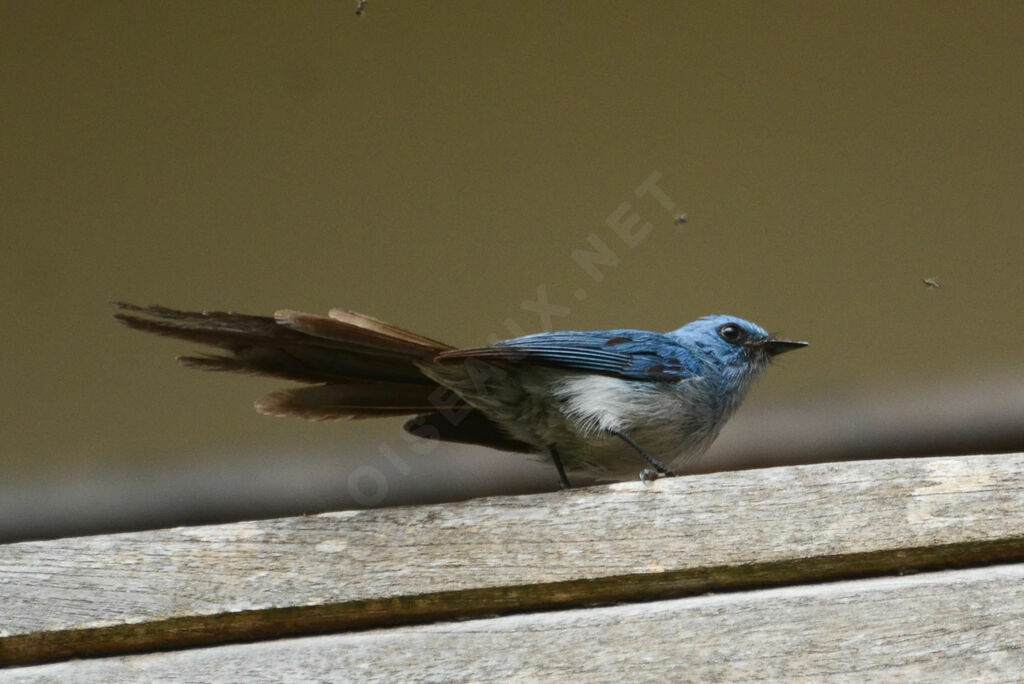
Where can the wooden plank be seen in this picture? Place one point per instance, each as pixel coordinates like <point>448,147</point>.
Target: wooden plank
<point>963,625</point>
<point>207,585</point>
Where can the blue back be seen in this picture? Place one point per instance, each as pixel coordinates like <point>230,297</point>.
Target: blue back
<point>631,354</point>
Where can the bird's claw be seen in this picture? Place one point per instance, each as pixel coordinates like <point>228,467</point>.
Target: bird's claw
<point>649,475</point>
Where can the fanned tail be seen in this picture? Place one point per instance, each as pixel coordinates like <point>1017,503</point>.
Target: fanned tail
<point>358,367</point>
<point>363,367</point>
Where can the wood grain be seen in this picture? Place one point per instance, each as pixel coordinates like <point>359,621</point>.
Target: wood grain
<point>963,625</point>
<point>198,586</point>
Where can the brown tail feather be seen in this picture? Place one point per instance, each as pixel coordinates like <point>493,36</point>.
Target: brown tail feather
<point>292,345</point>
<point>355,333</point>
<point>384,329</point>
<point>351,400</point>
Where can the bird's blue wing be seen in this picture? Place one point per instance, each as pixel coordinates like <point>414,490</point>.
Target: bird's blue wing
<point>629,354</point>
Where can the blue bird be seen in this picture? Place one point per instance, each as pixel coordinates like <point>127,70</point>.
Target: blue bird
<point>597,404</point>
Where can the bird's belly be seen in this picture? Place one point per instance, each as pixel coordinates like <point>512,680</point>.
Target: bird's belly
<point>671,421</point>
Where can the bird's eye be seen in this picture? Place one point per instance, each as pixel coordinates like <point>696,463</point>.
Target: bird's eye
<point>732,333</point>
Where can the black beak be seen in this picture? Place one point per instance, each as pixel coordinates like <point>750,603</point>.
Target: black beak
<point>774,347</point>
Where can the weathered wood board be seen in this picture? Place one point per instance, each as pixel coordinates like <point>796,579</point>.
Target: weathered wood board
<point>199,586</point>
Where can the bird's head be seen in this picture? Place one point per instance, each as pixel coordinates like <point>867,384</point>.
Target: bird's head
<point>735,347</point>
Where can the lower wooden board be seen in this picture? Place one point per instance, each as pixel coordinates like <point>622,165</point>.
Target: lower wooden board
<point>942,626</point>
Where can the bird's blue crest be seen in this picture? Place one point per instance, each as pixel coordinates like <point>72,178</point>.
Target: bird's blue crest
<point>710,325</point>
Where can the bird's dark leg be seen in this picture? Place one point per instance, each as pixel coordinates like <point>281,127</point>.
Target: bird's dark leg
<point>658,465</point>
<point>562,479</point>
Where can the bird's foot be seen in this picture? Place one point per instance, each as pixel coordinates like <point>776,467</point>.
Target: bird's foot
<point>649,475</point>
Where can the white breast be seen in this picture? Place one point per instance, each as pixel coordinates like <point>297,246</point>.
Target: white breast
<point>673,421</point>
<point>599,403</point>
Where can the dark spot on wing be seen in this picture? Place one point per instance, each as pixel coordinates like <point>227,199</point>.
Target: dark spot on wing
<point>617,340</point>
<point>659,372</point>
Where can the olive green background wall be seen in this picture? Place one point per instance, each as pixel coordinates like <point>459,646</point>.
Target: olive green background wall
<point>436,165</point>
